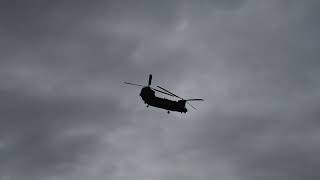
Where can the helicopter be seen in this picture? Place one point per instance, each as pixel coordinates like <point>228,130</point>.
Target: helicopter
<point>148,96</point>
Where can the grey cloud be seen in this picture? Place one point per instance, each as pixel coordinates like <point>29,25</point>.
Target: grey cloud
<point>66,115</point>
<point>38,132</point>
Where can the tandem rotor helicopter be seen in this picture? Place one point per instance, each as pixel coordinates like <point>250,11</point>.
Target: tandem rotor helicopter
<point>148,96</point>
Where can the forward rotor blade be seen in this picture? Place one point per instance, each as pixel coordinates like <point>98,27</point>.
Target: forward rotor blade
<point>133,84</point>
<point>169,92</point>
<point>162,92</point>
<point>150,79</point>
<point>194,100</point>
<point>191,105</point>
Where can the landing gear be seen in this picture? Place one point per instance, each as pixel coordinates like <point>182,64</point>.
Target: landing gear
<point>147,105</point>
<point>168,112</point>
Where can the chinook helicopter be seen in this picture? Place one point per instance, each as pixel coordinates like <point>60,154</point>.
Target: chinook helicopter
<point>148,96</point>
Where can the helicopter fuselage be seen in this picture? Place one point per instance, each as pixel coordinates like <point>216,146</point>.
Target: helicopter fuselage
<point>149,97</point>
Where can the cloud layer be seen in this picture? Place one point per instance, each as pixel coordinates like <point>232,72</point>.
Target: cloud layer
<point>65,113</point>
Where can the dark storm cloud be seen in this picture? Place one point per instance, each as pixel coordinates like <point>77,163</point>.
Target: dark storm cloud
<point>37,132</point>
<point>46,127</point>
<point>255,63</point>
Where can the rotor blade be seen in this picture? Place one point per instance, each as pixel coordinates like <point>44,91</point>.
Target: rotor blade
<point>191,105</point>
<point>150,79</point>
<point>162,92</point>
<point>133,84</point>
<point>194,100</point>
<point>169,92</point>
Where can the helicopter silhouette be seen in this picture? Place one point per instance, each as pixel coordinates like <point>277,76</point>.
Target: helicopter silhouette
<point>148,96</point>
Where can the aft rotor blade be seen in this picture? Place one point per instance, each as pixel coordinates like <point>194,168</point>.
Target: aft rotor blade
<point>169,92</point>
<point>194,100</point>
<point>162,92</point>
<point>133,84</point>
<point>191,105</point>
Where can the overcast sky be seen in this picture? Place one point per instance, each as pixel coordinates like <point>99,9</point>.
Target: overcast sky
<point>66,115</point>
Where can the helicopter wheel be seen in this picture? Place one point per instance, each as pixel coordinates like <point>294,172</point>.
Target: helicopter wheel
<point>168,112</point>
